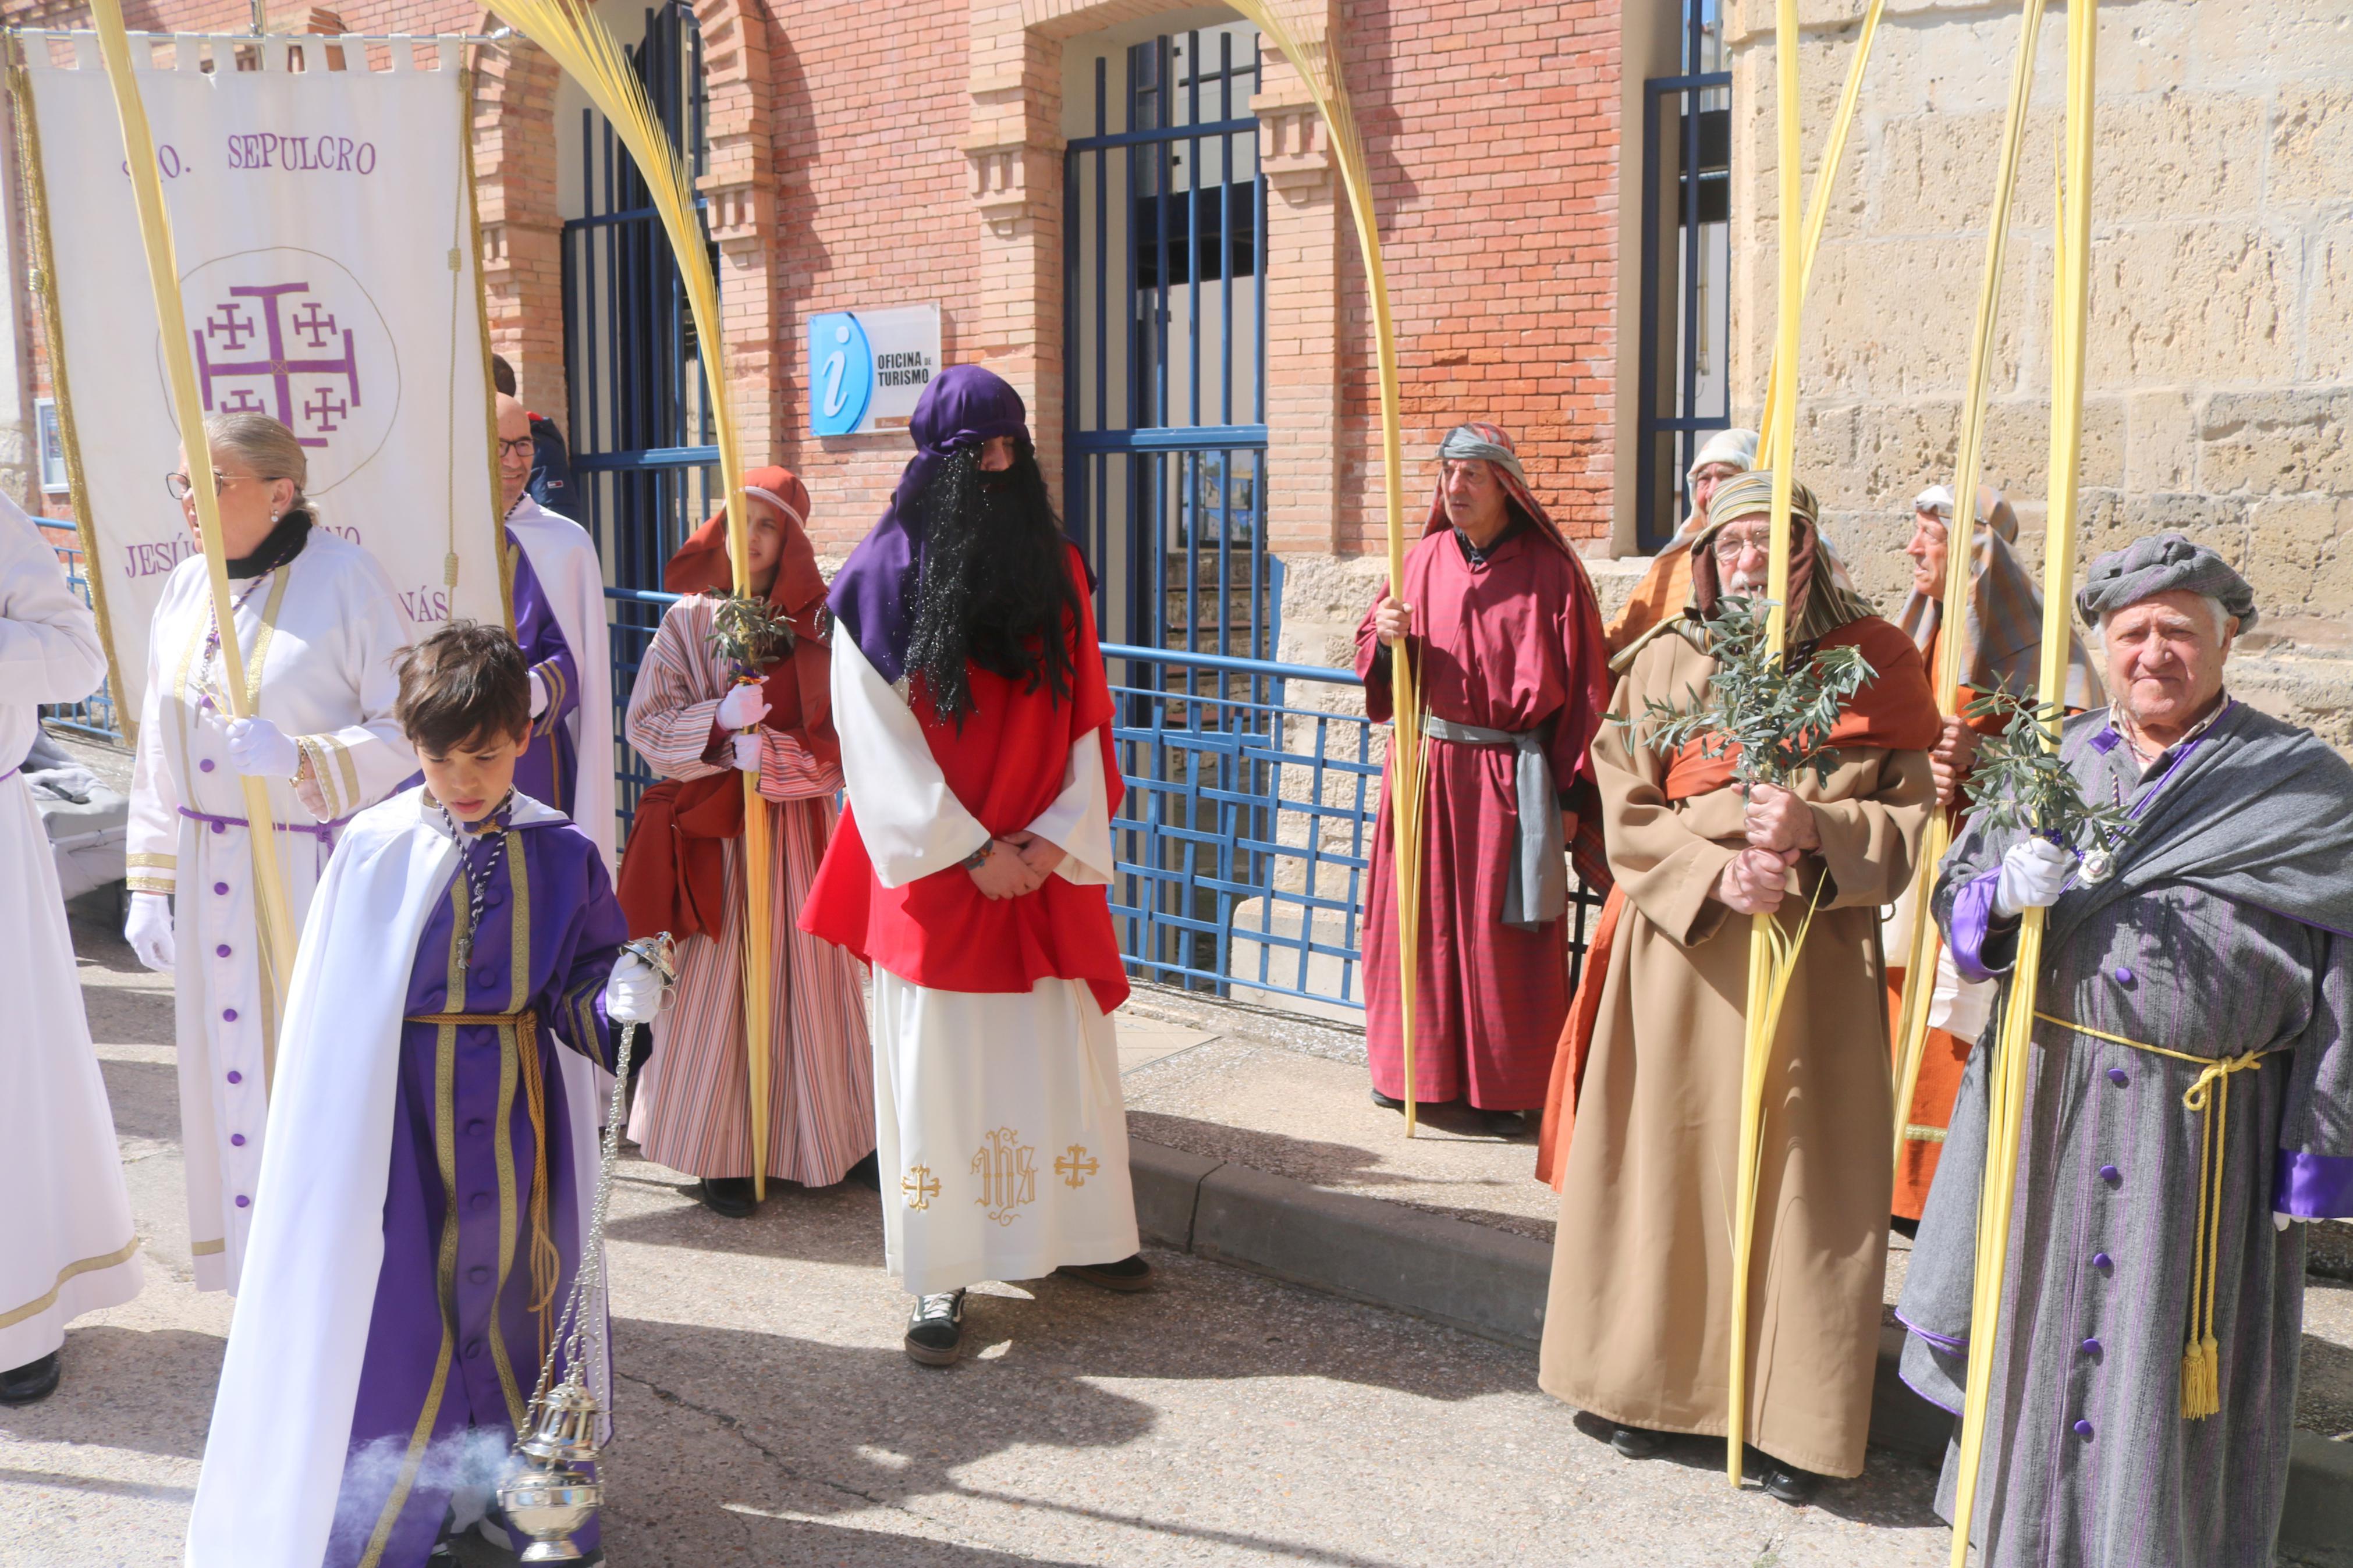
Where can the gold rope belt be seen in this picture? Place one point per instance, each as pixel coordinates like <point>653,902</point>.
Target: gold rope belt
<point>2208,1094</point>
<point>546,1263</point>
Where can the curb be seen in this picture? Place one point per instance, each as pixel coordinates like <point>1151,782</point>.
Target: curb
<point>1492,1283</point>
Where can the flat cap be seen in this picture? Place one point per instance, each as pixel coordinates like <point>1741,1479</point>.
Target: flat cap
<point>2160,564</point>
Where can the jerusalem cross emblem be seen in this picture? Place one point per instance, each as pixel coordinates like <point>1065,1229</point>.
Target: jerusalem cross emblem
<point>260,353</point>
<point>1075,1167</point>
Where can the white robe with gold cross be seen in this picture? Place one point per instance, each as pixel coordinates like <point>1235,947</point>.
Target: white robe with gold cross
<point>1002,1136</point>
<point>323,632</point>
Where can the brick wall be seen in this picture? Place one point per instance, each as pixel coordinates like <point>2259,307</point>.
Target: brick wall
<point>843,145</point>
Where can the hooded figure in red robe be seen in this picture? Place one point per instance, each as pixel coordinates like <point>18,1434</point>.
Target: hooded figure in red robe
<point>1502,626</point>
<point>972,871</point>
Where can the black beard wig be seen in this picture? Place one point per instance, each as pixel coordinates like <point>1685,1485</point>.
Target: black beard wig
<point>996,588</point>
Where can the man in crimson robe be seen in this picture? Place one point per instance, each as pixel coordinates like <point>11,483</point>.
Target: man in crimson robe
<point>1500,621</point>
<point>971,871</point>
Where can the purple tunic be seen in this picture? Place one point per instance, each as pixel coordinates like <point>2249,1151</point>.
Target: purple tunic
<point>453,1346</point>
<point>549,771</point>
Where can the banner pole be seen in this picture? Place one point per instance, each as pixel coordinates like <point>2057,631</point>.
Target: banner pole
<point>271,901</point>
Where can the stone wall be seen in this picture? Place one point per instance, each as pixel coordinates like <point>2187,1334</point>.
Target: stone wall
<point>2221,357</point>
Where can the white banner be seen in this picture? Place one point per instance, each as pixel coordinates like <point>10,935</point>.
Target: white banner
<point>324,235</point>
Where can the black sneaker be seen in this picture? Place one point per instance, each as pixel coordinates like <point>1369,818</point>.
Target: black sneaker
<point>34,1380</point>
<point>1788,1484</point>
<point>935,1333</point>
<point>1506,1124</point>
<point>1388,1101</point>
<point>867,1173</point>
<point>1127,1274</point>
<point>728,1195</point>
<point>1636,1442</point>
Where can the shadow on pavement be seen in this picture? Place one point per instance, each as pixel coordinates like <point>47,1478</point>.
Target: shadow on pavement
<point>150,1390</point>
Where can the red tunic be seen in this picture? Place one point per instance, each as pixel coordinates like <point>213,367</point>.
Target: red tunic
<point>1498,645</point>
<point>1006,767</point>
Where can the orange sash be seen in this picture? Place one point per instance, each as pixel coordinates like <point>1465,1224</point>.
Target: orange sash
<point>1896,712</point>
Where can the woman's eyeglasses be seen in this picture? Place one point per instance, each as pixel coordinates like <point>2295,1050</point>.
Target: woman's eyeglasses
<point>180,487</point>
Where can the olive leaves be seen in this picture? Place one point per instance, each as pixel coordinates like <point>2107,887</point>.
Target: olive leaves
<point>1779,711</point>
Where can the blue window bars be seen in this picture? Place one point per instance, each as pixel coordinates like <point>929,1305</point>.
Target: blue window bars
<point>93,717</point>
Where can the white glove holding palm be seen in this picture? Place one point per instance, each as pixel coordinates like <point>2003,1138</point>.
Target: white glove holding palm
<point>633,992</point>
<point>148,929</point>
<point>748,751</point>
<point>260,750</point>
<point>743,707</point>
<point>2032,872</point>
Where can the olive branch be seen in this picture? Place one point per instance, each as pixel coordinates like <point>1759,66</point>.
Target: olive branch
<point>2020,784</point>
<point>1778,710</point>
<point>747,632</point>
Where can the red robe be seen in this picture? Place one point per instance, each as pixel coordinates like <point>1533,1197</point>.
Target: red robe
<point>1514,644</point>
<point>1005,765</point>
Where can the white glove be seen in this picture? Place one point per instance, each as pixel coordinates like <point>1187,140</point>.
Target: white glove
<point>743,707</point>
<point>633,992</point>
<point>2279,1221</point>
<point>2032,872</point>
<point>538,695</point>
<point>259,749</point>
<point>148,929</point>
<point>747,752</point>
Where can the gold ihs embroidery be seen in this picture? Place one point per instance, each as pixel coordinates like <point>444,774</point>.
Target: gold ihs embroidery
<point>1008,1169</point>
<point>1075,1167</point>
<point>920,1187</point>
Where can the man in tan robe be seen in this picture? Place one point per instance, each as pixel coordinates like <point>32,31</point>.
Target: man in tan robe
<point>1637,1327</point>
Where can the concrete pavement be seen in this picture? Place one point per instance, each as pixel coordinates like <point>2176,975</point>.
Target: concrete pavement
<point>768,1417</point>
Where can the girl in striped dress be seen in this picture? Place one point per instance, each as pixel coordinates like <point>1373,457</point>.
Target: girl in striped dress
<point>682,872</point>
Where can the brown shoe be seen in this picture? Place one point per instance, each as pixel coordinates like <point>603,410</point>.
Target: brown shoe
<point>1127,1274</point>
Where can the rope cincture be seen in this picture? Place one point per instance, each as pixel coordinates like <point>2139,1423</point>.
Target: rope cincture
<point>2208,1094</point>
<point>546,1262</point>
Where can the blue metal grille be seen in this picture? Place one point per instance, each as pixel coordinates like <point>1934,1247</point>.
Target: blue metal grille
<point>644,458</point>
<point>93,716</point>
<point>1165,332</point>
<point>1684,388</point>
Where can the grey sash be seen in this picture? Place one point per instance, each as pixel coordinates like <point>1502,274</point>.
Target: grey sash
<point>1536,892</point>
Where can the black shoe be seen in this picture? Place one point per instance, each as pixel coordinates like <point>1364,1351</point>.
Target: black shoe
<point>1504,1123</point>
<point>1388,1102</point>
<point>867,1173</point>
<point>34,1380</point>
<point>729,1195</point>
<point>1127,1274</point>
<point>1636,1442</point>
<point>935,1333</point>
<point>1790,1484</point>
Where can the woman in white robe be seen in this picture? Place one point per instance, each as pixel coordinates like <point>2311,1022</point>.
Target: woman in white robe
<point>66,1246</point>
<point>322,626</point>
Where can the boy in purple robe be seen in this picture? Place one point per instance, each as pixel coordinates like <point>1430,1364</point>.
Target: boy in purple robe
<point>419,1217</point>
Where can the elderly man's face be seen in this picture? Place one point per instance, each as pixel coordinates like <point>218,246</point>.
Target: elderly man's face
<point>1704,481</point>
<point>515,449</point>
<point>2165,658</point>
<point>1744,555</point>
<point>1927,552</point>
<point>1475,496</point>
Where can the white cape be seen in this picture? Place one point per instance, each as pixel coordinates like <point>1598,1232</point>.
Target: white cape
<point>281,1420</point>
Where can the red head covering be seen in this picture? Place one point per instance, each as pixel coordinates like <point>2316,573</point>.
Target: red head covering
<point>701,565</point>
<point>673,878</point>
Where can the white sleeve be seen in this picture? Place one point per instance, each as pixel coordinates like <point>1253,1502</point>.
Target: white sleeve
<point>912,824</point>
<point>49,650</point>
<point>1079,822</point>
<point>152,841</point>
